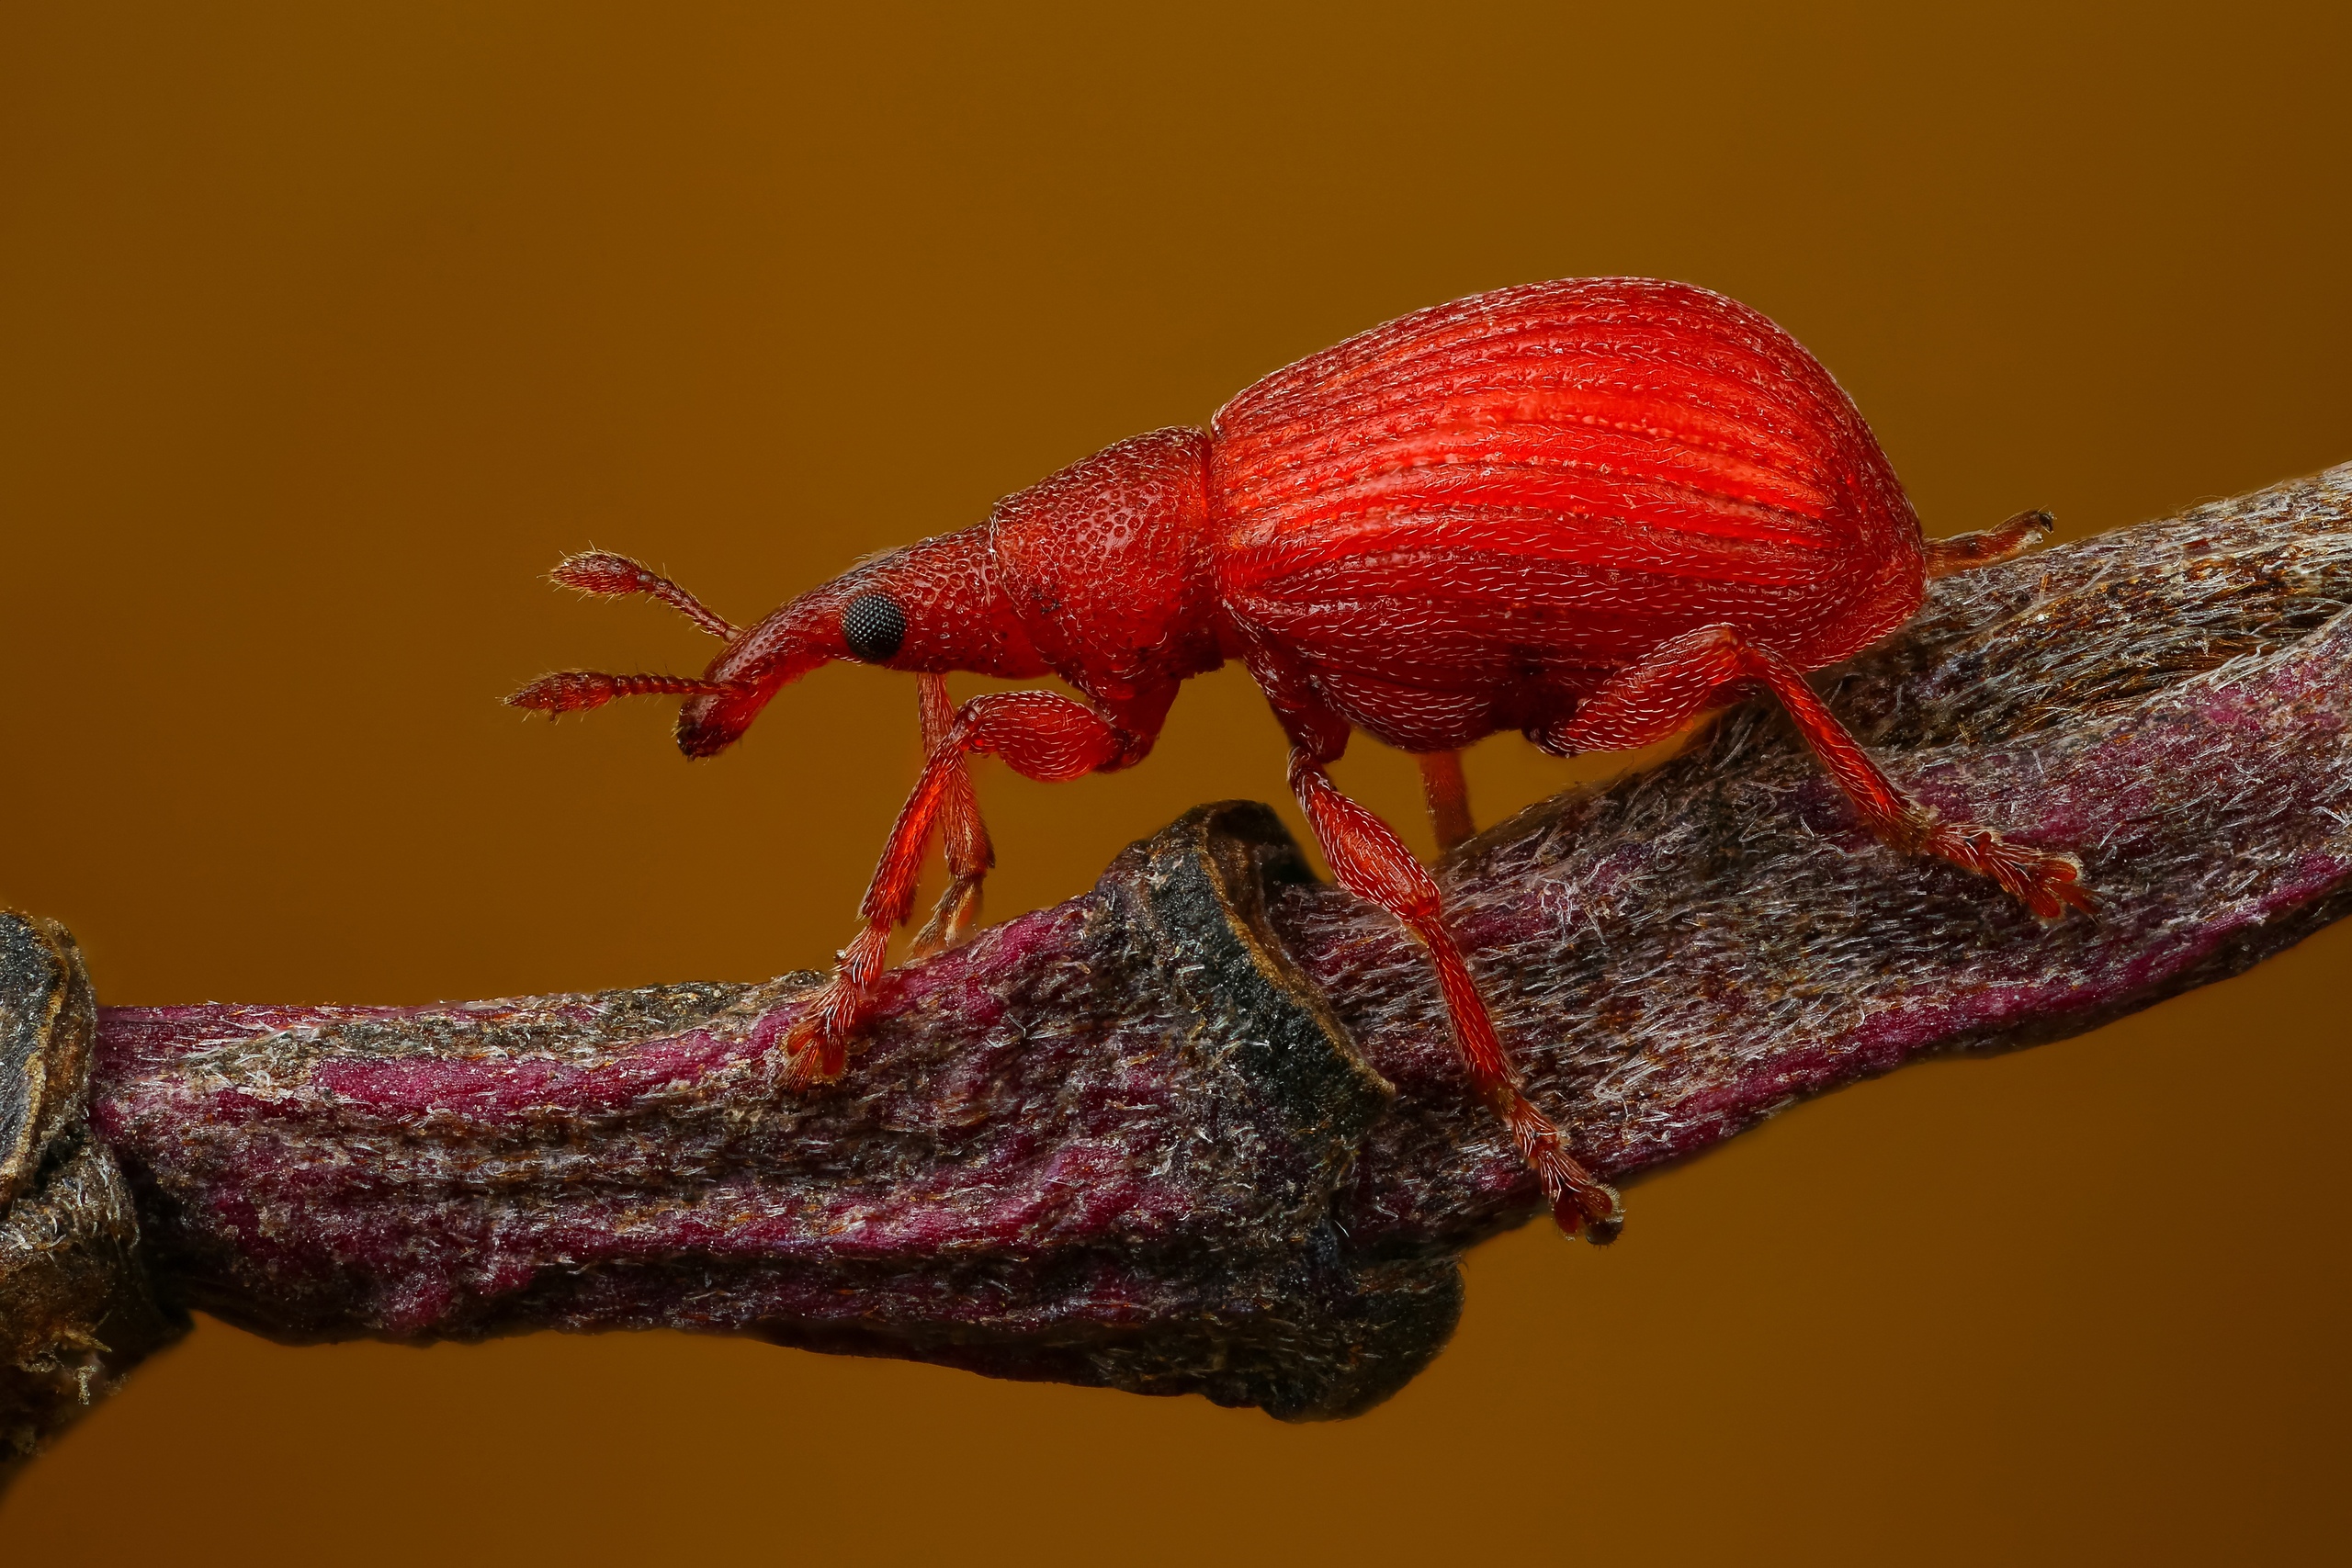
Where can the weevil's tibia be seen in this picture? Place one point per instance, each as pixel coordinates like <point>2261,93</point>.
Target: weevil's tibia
<point>1448,794</point>
<point>964,836</point>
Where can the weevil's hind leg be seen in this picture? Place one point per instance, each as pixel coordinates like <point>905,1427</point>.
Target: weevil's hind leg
<point>965,835</point>
<point>1040,736</point>
<point>2011,539</point>
<point>1371,863</point>
<point>1448,794</point>
<point>1649,701</point>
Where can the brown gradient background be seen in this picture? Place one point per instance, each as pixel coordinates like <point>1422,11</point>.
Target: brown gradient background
<point>327,328</point>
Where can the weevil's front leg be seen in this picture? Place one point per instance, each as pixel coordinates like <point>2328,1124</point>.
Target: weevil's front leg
<point>964,836</point>
<point>1448,794</point>
<point>1045,737</point>
<point>1371,863</point>
<point>1651,700</point>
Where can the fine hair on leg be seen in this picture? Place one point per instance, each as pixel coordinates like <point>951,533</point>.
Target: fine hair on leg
<point>1650,700</point>
<point>1371,863</point>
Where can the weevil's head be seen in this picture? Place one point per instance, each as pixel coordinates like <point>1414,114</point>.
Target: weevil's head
<point>1099,573</point>
<point>933,605</point>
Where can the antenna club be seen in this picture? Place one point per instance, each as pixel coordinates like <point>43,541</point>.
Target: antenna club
<point>605,575</point>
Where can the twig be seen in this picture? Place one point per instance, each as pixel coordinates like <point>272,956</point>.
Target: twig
<point>1200,1130</point>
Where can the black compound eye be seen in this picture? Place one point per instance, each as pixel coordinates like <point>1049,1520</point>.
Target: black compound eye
<point>874,627</point>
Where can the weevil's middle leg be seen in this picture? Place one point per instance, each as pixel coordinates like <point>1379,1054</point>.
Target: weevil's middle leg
<point>1373,862</point>
<point>1448,794</point>
<point>964,837</point>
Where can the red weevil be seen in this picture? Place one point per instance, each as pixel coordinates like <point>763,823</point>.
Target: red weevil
<point>1588,511</point>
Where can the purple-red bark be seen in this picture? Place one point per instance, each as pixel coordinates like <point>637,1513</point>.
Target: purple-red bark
<point>1201,1129</point>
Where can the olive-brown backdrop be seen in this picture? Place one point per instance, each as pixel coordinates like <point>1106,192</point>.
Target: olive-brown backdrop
<point>329,328</point>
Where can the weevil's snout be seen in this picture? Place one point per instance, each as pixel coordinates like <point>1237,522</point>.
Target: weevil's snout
<point>757,665</point>
<point>740,682</point>
<point>929,606</point>
<point>707,726</point>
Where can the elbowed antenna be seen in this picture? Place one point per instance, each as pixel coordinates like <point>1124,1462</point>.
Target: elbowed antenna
<point>610,576</point>
<point>723,701</point>
<point>576,691</point>
<point>933,605</point>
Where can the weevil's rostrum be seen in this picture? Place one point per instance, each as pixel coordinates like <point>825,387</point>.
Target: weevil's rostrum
<point>1590,511</point>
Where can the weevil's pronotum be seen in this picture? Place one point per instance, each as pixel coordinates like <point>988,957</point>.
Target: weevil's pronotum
<point>1588,511</point>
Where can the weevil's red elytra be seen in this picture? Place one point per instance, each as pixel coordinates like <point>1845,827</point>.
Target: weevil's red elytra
<point>1588,511</point>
